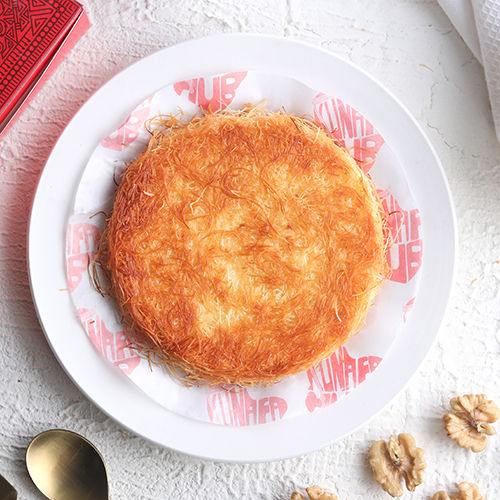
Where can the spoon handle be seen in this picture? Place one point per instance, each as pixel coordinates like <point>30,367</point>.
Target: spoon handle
<point>7,491</point>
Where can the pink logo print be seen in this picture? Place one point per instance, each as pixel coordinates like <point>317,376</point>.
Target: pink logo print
<point>236,407</point>
<point>212,94</point>
<point>351,128</point>
<point>407,308</point>
<point>339,374</point>
<point>405,255</point>
<point>113,346</point>
<point>81,245</point>
<point>129,131</point>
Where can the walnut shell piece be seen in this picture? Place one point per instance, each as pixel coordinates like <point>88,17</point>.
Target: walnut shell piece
<point>317,493</point>
<point>396,460</point>
<point>472,421</point>
<point>440,495</point>
<point>314,493</point>
<point>466,491</point>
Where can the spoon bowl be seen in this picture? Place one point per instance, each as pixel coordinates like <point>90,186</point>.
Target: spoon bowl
<point>66,466</point>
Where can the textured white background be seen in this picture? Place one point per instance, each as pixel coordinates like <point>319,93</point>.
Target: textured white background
<point>412,48</point>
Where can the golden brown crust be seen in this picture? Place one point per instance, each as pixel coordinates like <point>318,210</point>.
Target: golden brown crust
<point>247,246</point>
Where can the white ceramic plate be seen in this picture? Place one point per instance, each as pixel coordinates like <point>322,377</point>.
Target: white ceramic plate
<point>119,397</point>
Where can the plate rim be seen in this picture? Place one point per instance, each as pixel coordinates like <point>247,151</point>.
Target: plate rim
<point>260,443</point>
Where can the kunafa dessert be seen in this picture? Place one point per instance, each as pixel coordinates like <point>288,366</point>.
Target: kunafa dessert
<point>246,246</point>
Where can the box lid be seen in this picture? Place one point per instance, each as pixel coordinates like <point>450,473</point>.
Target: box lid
<point>29,31</point>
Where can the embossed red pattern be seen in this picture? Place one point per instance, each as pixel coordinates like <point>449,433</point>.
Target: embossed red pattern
<point>28,30</point>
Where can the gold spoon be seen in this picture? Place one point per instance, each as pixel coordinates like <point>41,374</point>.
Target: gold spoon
<point>66,466</point>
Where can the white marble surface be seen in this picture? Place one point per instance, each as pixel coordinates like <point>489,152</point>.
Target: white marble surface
<point>412,48</point>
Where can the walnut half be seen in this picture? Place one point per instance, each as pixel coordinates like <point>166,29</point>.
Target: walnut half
<point>395,460</point>
<point>466,491</point>
<point>314,493</point>
<point>471,423</point>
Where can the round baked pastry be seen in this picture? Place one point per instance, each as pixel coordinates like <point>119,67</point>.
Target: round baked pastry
<point>247,246</point>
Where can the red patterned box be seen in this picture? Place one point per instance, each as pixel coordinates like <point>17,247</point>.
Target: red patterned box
<point>35,36</point>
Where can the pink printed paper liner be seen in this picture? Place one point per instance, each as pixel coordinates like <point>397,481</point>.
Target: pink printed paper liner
<point>235,406</point>
<point>220,95</point>
<point>129,131</point>
<point>337,376</point>
<point>114,346</point>
<point>406,252</point>
<point>333,378</point>
<point>353,131</point>
<point>82,240</point>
